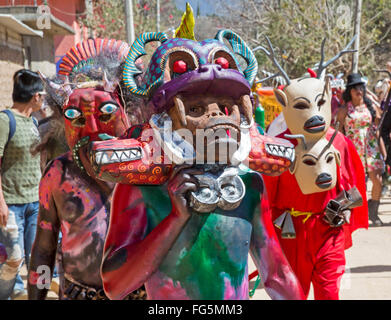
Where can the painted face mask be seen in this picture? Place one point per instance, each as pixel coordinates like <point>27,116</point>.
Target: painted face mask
<point>306,105</point>
<point>306,101</point>
<point>315,166</point>
<point>92,114</point>
<point>89,94</point>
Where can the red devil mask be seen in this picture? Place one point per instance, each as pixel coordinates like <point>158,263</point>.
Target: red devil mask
<point>92,114</point>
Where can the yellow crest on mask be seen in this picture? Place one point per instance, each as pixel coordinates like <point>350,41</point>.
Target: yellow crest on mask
<point>186,28</point>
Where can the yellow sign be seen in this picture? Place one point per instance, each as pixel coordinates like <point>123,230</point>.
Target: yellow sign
<point>269,103</point>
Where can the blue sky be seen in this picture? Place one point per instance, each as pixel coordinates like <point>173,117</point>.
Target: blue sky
<point>206,6</point>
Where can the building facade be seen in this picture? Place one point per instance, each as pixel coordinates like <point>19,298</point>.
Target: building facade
<point>35,34</point>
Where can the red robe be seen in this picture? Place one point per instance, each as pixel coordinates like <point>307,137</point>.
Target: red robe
<point>284,192</point>
<point>317,253</point>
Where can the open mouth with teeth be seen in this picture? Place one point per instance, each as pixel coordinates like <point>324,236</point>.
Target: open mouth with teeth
<point>223,131</point>
<point>103,157</point>
<point>280,151</point>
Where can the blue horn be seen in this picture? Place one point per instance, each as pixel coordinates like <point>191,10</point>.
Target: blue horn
<point>240,47</point>
<point>136,51</point>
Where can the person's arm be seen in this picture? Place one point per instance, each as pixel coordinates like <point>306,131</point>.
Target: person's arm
<point>4,132</point>
<point>341,115</point>
<point>44,249</point>
<point>127,266</point>
<point>274,269</point>
<point>385,129</point>
<point>3,205</point>
<point>373,98</point>
<point>378,113</point>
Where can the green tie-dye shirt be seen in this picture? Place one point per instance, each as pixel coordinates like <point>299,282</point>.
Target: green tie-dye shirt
<point>20,170</point>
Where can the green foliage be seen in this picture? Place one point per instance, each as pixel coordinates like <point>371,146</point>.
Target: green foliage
<point>108,17</point>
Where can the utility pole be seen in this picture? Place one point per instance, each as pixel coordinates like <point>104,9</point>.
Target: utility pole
<point>158,15</point>
<point>357,26</point>
<point>90,12</point>
<point>129,21</point>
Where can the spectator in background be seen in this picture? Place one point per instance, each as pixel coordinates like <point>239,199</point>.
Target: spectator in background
<point>52,133</point>
<point>360,120</point>
<point>19,179</point>
<point>381,91</point>
<point>337,88</point>
<point>385,129</point>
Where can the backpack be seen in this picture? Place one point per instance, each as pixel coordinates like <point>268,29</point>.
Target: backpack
<point>12,128</point>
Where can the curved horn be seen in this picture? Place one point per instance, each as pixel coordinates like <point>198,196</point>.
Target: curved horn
<point>297,137</point>
<point>136,51</point>
<point>59,92</point>
<point>328,145</point>
<point>241,48</point>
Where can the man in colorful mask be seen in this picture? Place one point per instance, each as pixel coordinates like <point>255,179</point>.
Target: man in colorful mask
<point>190,238</point>
<point>311,205</point>
<point>72,200</point>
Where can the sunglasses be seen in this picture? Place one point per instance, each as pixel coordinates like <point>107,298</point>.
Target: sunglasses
<point>360,87</point>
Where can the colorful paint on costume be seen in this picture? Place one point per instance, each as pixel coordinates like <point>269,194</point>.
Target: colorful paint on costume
<point>155,237</point>
<point>72,199</point>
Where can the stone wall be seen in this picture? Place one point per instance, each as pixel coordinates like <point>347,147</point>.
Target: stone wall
<point>7,69</point>
<point>11,60</point>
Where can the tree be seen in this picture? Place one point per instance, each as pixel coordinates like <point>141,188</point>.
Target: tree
<point>108,17</point>
<point>297,28</point>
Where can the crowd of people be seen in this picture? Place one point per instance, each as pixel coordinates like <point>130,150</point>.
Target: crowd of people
<point>29,140</point>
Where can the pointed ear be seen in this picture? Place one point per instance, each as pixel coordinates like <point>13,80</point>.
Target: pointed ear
<point>337,157</point>
<point>293,167</point>
<point>327,88</point>
<point>281,97</point>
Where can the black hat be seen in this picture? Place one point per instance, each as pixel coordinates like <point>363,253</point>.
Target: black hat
<point>354,79</point>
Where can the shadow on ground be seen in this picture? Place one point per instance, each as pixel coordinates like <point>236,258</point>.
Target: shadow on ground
<point>370,269</point>
<point>383,225</point>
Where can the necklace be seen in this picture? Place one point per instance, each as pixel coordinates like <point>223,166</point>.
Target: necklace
<point>75,152</point>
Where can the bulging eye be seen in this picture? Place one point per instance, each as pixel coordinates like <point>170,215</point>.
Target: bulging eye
<point>309,162</point>
<point>72,113</point>
<point>108,108</point>
<point>222,62</point>
<point>329,159</point>
<point>179,66</point>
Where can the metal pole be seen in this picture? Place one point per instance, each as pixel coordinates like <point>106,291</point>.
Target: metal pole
<point>158,15</point>
<point>90,12</point>
<point>357,26</point>
<point>129,21</point>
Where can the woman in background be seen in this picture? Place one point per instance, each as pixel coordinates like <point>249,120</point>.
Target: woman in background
<point>360,120</point>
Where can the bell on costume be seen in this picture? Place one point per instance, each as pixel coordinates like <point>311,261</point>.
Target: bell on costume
<point>285,223</point>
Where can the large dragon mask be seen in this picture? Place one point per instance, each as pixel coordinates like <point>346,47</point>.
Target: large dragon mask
<point>199,98</point>
<point>198,86</point>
